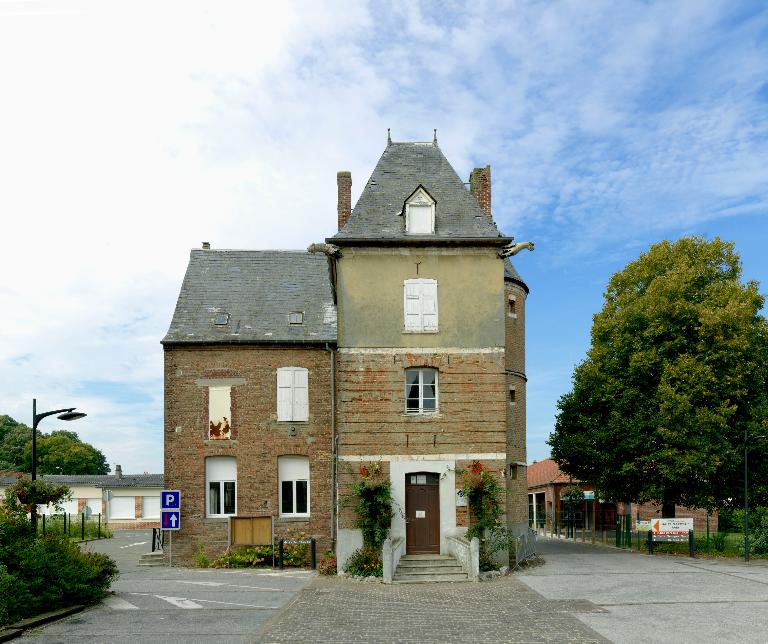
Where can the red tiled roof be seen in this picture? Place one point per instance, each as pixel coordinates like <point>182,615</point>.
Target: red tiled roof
<point>544,472</point>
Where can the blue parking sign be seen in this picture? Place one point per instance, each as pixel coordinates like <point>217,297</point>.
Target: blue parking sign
<point>170,500</point>
<point>170,520</point>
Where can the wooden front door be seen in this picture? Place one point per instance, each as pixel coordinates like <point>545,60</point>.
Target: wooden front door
<point>422,513</point>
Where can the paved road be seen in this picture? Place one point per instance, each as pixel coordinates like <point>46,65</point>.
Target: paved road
<point>175,605</point>
<point>656,598</point>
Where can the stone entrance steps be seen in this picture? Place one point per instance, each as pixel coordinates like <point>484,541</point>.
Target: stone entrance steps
<point>152,559</point>
<point>419,569</point>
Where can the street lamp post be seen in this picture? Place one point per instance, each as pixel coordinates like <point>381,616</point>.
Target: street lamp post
<point>746,495</point>
<point>63,414</point>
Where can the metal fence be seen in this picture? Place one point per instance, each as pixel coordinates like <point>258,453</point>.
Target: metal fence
<point>77,526</point>
<point>525,546</point>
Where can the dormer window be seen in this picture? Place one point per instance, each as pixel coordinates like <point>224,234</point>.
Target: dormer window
<point>420,213</point>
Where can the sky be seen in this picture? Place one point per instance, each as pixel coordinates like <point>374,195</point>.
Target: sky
<point>130,132</point>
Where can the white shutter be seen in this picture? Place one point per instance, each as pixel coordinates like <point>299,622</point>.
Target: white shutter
<point>284,394</point>
<point>300,394</point>
<point>429,305</point>
<point>412,306</point>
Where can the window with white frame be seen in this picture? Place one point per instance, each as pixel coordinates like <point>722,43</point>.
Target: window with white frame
<point>293,472</point>
<point>292,394</point>
<point>420,305</point>
<point>420,391</point>
<point>122,507</point>
<point>420,213</point>
<point>221,485</point>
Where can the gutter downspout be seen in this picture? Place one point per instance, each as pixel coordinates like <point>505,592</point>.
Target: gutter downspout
<point>334,482</point>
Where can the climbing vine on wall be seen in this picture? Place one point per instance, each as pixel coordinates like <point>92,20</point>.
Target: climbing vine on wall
<point>483,493</point>
<point>372,493</point>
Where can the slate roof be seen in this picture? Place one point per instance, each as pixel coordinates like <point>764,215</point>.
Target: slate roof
<point>98,480</point>
<point>377,216</point>
<point>510,273</point>
<point>258,289</point>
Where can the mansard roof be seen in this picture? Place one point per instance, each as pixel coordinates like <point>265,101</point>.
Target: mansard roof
<point>403,167</point>
<point>253,293</point>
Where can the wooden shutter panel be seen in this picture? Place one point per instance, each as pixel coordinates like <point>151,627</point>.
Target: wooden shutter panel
<point>412,306</point>
<point>429,305</point>
<point>300,394</point>
<point>284,394</point>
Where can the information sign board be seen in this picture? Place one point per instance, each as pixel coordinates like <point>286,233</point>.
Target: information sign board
<point>170,520</point>
<point>671,529</point>
<point>170,500</point>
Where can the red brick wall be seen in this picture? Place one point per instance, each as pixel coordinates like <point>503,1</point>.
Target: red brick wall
<point>514,332</point>
<point>260,439</point>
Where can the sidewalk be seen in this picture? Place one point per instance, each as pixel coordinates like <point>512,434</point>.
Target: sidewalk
<point>502,610</point>
<point>656,598</point>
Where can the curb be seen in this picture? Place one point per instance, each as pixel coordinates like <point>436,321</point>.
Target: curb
<point>14,630</point>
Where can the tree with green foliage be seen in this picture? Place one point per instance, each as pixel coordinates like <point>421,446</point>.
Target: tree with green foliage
<point>675,376</point>
<point>60,452</point>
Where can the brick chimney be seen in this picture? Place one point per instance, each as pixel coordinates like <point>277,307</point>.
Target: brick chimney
<point>480,186</point>
<point>118,472</point>
<point>344,208</point>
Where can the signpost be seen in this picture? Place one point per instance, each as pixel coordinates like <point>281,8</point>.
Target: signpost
<point>671,530</point>
<point>170,516</point>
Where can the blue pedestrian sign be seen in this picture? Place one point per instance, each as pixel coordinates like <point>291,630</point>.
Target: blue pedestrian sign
<point>170,500</point>
<point>170,519</point>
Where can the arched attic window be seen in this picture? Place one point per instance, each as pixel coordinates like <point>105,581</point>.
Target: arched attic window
<point>419,212</point>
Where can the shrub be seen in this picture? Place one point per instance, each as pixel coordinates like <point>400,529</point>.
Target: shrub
<point>759,544</point>
<point>327,565</point>
<point>364,562</point>
<point>483,493</point>
<point>250,557</point>
<point>52,572</point>
<point>201,561</point>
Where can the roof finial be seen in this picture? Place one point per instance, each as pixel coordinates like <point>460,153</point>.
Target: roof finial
<point>434,136</point>
<point>389,136</point>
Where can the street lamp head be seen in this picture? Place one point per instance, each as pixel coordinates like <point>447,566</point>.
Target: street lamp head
<point>71,415</point>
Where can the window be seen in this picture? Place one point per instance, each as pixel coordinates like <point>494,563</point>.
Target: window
<point>150,507</point>
<point>420,305</point>
<point>219,413</point>
<point>294,485</point>
<point>512,395</point>
<point>296,317</point>
<point>221,484</point>
<point>420,213</point>
<point>221,319</point>
<point>292,394</point>
<point>93,506</point>
<point>512,307</point>
<point>420,391</point>
<point>122,507</point>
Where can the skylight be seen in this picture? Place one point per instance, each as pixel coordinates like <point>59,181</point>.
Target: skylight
<point>221,319</point>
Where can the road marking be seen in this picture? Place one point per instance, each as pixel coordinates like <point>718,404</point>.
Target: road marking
<point>211,601</point>
<point>183,602</point>
<point>116,603</point>
<point>221,583</point>
<point>138,543</point>
<point>179,602</point>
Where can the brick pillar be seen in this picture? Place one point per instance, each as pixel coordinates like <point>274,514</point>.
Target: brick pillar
<point>344,207</point>
<point>138,506</point>
<point>480,186</point>
<point>81,503</point>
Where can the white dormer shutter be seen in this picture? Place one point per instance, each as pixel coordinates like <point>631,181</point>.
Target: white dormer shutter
<point>300,395</point>
<point>420,219</point>
<point>429,305</point>
<point>284,393</point>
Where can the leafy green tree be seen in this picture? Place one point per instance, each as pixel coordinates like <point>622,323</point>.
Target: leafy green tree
<point>60,452</point>
<point>14,439</point>
<point>675,375</point>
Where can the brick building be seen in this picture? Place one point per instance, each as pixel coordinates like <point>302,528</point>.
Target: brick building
<point>272,407</point>
<point>546,510</point>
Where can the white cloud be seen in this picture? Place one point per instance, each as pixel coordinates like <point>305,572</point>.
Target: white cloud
<point>132,131</point>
